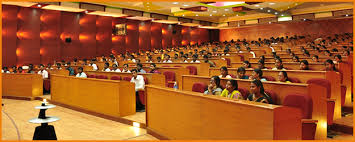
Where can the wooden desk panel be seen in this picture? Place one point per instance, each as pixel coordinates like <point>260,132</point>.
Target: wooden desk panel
<point>317,93</point>
<point>290,65</point>
<point>108,97</point>
<point>189,115</point>
<point>22,85</point>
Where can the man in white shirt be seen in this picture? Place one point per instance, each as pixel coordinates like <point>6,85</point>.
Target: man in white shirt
<point>251,52</point>
<point>94,66</point>
<point>5,70</point>
<point>138,80</point>
<point>167,59</point>
<point>115,69</point>
<point>106,67</point>
<point>194,59</point>
<point>43,72</point>
<point>125,68</point>
<point>81,73</point>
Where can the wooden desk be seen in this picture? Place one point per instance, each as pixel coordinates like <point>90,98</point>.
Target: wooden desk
<point>316,92</point>
<point>107,97</point>
<point>289,65</point>
<point>22,85</point>
<point>182,115</point>
<point>153,78</point>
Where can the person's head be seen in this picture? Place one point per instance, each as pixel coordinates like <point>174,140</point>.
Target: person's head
<point>114,66</point>
<point>49,65</point>
<point>261,64</point>
<point>139,66</point>
<point>283,76</point>
<point>232,85</point>
<point>176,56</point>
<point>153,66</point>
<point>41,67</point>
<point>167,57</point>
<point>68,63</point>
<point>338,58</point>
<point>246,64</point>
<point>158,59</point>
<point>278,63</point>
<point>346,53</point>
<point>256,87</point>
<point>215,81</point>
<point>205,58</point>
<point>329,65</point>
<point>248,49</point>
<point>58,65</point>
<point>257,74</point>
<point>75,60</point>
<point>106,65</point>
<point>194,57</point>
<point>327,53</point>
<point>138,60</point>
<point>315,58</point>
<point>14,68</point>
<point>304,65</point>
<point>184,57</point>
<point>125,66</point>
<point>150,58</point>
<point>134,73</point>
<point>20,69</point>
<point>295,59</point>
<point>262,57</point>
<point>80,69</point>
<point>5,69</point>
<point>240,72</point>
<point>224,71</point>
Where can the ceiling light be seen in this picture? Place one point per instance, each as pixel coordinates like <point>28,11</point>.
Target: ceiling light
<point>179,23</point>
<point>269,22</point>
<point>288,7</point>
<point>196,15</point>
<point>304,19</point>
<point>226,9</point>
<point>261,8</point>
<point>257,5</point>
<point>185,5</point>
<point>175,2</point>
<point>183,14</point>
<point>210,14</point>
<point>214,11</point>
<point>39,5</point>
<point>224,15</point>
<point>282,15</point>
<point>237,15</point>
<point>268,10</point>
<point>271,3</point>
<point>346,15</point>
<point>276,13</point>
<point>296,3</point>
<point>86,11</point>
<point>199,25</point>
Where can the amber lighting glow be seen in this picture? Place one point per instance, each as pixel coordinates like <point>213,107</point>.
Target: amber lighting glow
<point>18,52</point>
<point>163,31</point>
<point>22,35</point>
<point>41,51</point>
<point>130,27</point>
<point>114,38</point>
<point>83,37</point>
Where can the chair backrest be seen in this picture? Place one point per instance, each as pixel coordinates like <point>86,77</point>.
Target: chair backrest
<point>92,76</point>
<point>244,92</point>
<point>301,101</point>
<point>101,77</point>
<point>169,75</point>
<point>199,87</point>
<point>193,70</point>
<point>294,80</point>
<point>322,82</point>
<point>126,78</point>
<point>145,80</point>
<point>233,76</point>
<point>165,66</point>
<point>241,58</point>
<point>228,61</point>
<point>269,78</point>
<point>273,96</point>
<point>177,66</point>
<point>116,78</point>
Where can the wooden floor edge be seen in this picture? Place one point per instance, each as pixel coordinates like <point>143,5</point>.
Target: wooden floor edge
<point>117,119</point>
<point>18,98</point>
<point>156,135</point>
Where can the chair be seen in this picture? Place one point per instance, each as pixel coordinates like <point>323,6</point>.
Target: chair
<point>169,78</point>
<point>269,78</point>
<point>228,62</point>
<point>92,76</point>
<point>101,77</point>
<point>330,102</point>
<point>273,96</point>
<point>241,58</point>
<point>233,76</point>
<point>142,95</point>
<point>166,66</point>
<point>244,92</point>
<point>145,80</point>
<point>294,80</point>
<point>126,78</point>
<point>305,104</point>
<point>192,69</point>
<point>47,83</point>
<point>116,78</point>
<point>199,87</point>
<point>343,94</point>
<point>177,66</point>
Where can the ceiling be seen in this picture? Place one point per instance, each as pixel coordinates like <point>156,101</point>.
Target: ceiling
<point>225,13</point>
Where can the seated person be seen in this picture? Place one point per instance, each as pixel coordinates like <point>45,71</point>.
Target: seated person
<point>14,69</point>
<point>251,52</point>
<point>81,73</point>
<point>278,65</point>
<point>159,59</point>
<point>231,90</point>
<point>315,58</point>
<point>206,60</point>
<point>20,70</point>
<point>149,60</point>
<point>258,94</point>
<point>140,68</point>
<point>261,64</point>
<point>167,59</point>
<point>295,59</point>
<point>30,69</point>
<point>153,68</point>
<point>184,59</point>
<point>115,68</point>
<point>214,87</point>
<point>5,70</point>
<point>224,73</point>
<point>125,68</point>
<point>49,66</point>
<point>327,53</point>
<point>283,77</point>
<point>241,73</point>
<point>329,65</point>
<point>262,57</point>
<point>246,65</point>
<point>42,71</point>
<point>176,56</point>
<point>346,53</point>
<point>59,66</point>
<point>257,75</point>
<point>75,62</point>
<point>138,80</point>
<point>94,66</point>
<point>194,59</point>
<point>106,67</point>
<point>138,61</point>
<point>337,59</point>
<point>304,65</point>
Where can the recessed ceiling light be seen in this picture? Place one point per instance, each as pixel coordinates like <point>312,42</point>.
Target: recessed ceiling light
<point>261,8</point>
<point>269,22</point>
<point>179,23</point>
<point>39,5</point>
<point>304,19</point>
<point>268,10</point>
<point>196,15</point>
<point>282,15</point>
<point>152,19</point>
<point>288,7</point>
<point>214,11</point>
<point>185,5</point>
<point>237,15</point>
<point>276,13</point>
<point>257,5</point>
<point>224,15</point>
<point>183,14</point>
<point>147,5</point>
<point>210,14</point>
<point>271,3</point>
<point>296,3</point>
<point>199,25</point>
<point>175,2</point>
<point>346,15</point>
<point>86,11</point>
<point>226,9</point>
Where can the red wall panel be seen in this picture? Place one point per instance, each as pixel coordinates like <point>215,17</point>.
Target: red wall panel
<point>167,31</point>
<point>87,36</point>
<point>70,28</point>
<point>50,29</point>
<point>177,37</point>
<point>203,36</point>
<point>132,37</point>
<point>156,35</point>
<point>118,42</point>
<point>9,38</point>
<point>144,35</point>
<point>103,35</point>
<point>321,27</point>
<point>186,35</point>
<point>28,43</point>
